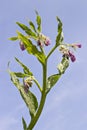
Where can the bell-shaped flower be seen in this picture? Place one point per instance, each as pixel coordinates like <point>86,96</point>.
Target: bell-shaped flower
<point>22,47</point>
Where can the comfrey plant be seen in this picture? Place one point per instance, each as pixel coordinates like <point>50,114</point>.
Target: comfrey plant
<point>32,34</point>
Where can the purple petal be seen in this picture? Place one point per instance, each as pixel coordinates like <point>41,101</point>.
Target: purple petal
<point>22,46</point>
<point>39,43</point>
<point>72,57</point>
<point>79,45</point>
<point>47,42</point>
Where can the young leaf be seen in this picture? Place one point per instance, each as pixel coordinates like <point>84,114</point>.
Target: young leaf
<point>31,34</point>
<point>59,37</point>
<point>29,98</point>
<point>63,65</point>
<point>22,26</point>
<point>32,26</point>
<point>13,38</point>
<point>31,49</point>
<point>25,68</point>
<point>27,30</point>
<point>21,75</point>
<point>38,20</point>
<point>51,81</point>
<point>24,124</point>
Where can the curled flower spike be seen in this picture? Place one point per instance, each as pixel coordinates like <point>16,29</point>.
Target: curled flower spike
<point>65,49</point>
<point>22,47</point>
<point>43,40</point>
<point>27,83</point>
<point>26,87</point>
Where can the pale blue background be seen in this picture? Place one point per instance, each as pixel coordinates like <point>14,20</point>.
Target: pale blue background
<point>66,105</point>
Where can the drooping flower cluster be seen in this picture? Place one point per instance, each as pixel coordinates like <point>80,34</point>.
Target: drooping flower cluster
<point>67,54</point>
<point>27,83</point>
<point>65,49</point>
<point>43,40</point>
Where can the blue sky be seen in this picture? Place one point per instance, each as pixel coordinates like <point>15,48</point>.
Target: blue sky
<point>66,104</point>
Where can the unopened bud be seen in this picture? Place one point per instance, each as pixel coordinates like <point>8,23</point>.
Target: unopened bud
<point>22,45</point>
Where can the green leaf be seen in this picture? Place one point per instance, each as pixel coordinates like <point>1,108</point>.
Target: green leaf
<point>29,98</point>
<point>22,26</point>
<point>27,30</point>
<point>31,34</point>
<point>32,26</point>
<point>24,124</point>
<point>38,20</point>
<point>25,68</point>
<point>21,75</point>
<point>31,49</point>
<point>59,37</point>
<point>63,65</point>
<point>13,38</point>
<point>51,81</point>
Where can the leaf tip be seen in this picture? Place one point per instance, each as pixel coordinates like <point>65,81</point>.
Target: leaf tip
<point>36,12</point>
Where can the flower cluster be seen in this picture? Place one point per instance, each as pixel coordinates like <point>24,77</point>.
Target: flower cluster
<point>65,49</point>
<point>43,40</point>
<point>27,83</point>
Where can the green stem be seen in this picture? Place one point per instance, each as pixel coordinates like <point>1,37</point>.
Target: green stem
<point>43,98</point>
<point>42,49</point>
<point>38,85</point>
<point>51,52</point>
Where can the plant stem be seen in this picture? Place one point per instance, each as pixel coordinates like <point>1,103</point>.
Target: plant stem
<point>51,52</point>
<point>43,98</point>
<point>42,49</point>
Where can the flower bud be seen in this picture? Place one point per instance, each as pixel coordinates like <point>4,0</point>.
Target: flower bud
<point>47,41</point>
<point>39,43</point>
<point>72,57</point>
<point>22,47</point>
<point>76,46</point>
<point>79,45</point>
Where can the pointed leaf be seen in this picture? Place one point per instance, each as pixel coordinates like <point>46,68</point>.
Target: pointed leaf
<point>29,98</point>
<point>59,37</point>
<point>52,80</point>
<point>21,75</point>
<point>32,26</point>
<point>31,34</point>
<point>13,38</point>
<point>22,26</point>
<point>38,20</point>
<point>24,124</point>
<point>27,30</point>
<point>25,68</point>
<point>31,49</point>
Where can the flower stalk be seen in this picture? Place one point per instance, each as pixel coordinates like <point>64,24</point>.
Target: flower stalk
<point>43,98</point>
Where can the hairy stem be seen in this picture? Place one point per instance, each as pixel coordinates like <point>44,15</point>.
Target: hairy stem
<point>43,98</point>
